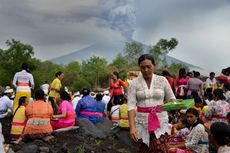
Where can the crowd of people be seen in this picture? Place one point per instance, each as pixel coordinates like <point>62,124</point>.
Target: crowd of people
<point>135,104</point>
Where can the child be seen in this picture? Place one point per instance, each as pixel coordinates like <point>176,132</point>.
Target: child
<point>124,122</point>
<point>19,120</point>
<point>115,115</point>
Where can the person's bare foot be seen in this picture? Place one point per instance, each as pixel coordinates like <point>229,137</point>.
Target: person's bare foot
<point>17,141</point>
<point>48,138</point>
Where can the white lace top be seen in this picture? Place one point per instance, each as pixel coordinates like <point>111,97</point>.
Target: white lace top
<point>140,95</point>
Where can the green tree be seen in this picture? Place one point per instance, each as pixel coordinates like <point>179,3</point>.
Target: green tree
<point>12,59</point>
<point>133,50</point>
<point>120,62</point>
<point>174,68</point>
<point>45,71</point>
<point>94,70</point>
<point>161,49</point>
<point>72,74</point>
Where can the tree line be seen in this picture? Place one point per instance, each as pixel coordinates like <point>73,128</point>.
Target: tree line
<point>93,72</point>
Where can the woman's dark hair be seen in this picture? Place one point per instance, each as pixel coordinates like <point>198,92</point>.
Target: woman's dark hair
<point>21,101</point>
<point>85,91</point>
<point>211,73</point>
<point>219,93</point>
<point>25,66</point>
<point>64,95</point>
<point>182,73</point>
<point>194,94</point>
<point>221,133</point>
<point>224,71</point>
<point>228,116</point>
<point>208,93</point>
<point>58,73</point>
<point>166,73</point>
<point>116,73</point>
<point>99,96</point>
<point>146,56</point>
<point>198,100</point>
<point>196,113</point>
<point>193,111</point>
<point>184,120</point>
<point>196,74</point>
<point>39,94</point>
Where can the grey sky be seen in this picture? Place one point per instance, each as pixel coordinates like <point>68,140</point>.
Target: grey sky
<point>57,27</point>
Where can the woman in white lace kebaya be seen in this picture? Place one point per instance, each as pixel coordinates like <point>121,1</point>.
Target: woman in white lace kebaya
<point>146,94</point>
<point>197,140</point>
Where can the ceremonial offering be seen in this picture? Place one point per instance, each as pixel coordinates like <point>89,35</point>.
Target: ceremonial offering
<point>179,104</point>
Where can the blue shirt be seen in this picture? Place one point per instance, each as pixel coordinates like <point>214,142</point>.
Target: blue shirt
<point>87,104</point>
<point>100,109</point>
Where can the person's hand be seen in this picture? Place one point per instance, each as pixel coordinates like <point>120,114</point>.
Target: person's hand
<point>133,134</point>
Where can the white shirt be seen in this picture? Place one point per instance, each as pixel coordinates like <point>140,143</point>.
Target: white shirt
<point>45,88</point>
<point>115,111</point>
<point>23,77</point>
<point>105,100</point>
<point>6,105</point>
<point>75,101</point>
<point>1,140</point>
<point>227,96</point>
<point>210,82</point>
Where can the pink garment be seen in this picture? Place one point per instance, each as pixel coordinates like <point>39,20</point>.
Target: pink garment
<point>70,114</point>
<point>182,82</point>
<point>153,121</point>
<point>98,114</point>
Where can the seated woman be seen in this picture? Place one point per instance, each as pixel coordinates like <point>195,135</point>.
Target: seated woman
<point>19,120</point>
<point>219,108</point>
<point>197,139</point>
<point>38,114</point>
<point>100,107</point>
<point>66,114</point>
<point>220,137</point>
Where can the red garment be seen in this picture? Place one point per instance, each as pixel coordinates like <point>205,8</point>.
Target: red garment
<point>222,79</point>
<point>171,82</point>
<point>115,87</point>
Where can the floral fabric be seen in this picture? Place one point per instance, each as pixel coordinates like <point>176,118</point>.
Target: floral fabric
<point>218,108</point>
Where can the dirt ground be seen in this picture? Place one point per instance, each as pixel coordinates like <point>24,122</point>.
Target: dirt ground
<point>73,141</point>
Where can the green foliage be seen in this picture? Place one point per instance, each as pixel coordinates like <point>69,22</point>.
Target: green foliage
<point>72,74</point>
<point>93,73</point>
<point>12,59</point>
<point>174,68</point>
<point>81,149</point>
<point>162,47</point>
<point>133,51</point>
<point>120,62</point>
<point>45,72</point>
<point>93,70</point>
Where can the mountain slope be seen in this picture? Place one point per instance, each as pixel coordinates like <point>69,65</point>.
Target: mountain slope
<point>109,51</point>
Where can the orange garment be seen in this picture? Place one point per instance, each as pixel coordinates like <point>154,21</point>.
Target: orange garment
<point>39,114</point>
